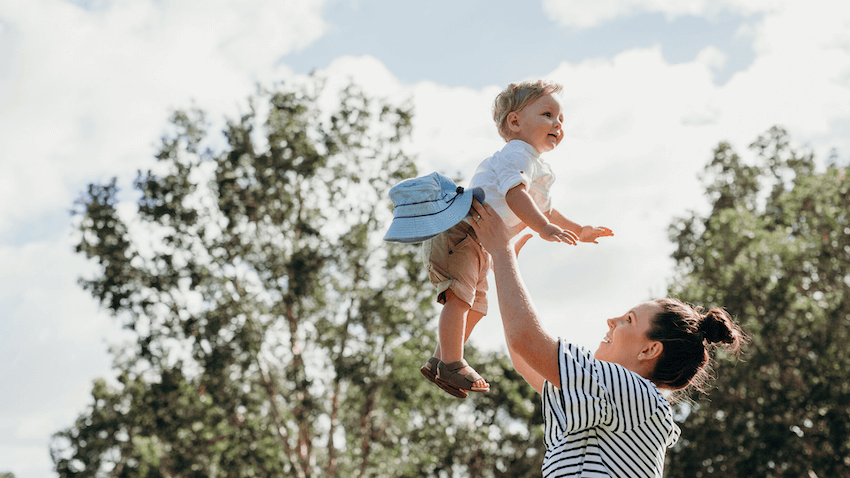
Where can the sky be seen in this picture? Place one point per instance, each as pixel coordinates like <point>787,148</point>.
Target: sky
<point>650,88</point>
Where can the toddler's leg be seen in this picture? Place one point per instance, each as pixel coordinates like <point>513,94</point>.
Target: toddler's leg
<point>453,332</point>
<point>452,328</point>
<point>472,318</point>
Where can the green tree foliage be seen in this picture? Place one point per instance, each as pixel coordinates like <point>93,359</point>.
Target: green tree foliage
<point>276,334</point>
<point>775,251</point>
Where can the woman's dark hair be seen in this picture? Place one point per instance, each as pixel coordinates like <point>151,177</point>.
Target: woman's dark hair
<point>688,337</point>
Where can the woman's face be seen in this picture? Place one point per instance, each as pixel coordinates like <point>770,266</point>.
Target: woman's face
<point>627,336</point>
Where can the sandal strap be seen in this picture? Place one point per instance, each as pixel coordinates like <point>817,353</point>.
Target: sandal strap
<point>452,369</point>
<point>455,366</point>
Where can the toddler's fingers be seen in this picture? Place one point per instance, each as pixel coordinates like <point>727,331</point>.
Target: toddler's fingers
<point>568,238</point>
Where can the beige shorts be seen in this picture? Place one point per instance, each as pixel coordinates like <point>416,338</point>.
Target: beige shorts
<point>457,262</point>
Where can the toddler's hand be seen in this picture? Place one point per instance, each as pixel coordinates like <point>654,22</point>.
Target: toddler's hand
<point>590,233</point>
<point>553,233</point>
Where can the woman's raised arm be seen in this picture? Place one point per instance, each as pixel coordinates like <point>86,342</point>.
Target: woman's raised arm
<point>523,332</point>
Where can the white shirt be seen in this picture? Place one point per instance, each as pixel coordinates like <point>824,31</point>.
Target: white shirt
<point>517,163</point>
<point>604,420</point>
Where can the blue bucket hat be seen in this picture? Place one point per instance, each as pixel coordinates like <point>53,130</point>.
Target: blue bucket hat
<point>427,206</point>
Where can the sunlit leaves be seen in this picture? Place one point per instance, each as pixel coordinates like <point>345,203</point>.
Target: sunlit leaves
<point>276,334</point>
<point>775,252</point>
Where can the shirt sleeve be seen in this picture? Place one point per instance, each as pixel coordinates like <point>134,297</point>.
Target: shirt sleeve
<point>512,169</point>
<point>580,401</point>
<point>594,393</point>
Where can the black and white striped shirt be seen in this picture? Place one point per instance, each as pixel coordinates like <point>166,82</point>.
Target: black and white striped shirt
<point>604,420</point>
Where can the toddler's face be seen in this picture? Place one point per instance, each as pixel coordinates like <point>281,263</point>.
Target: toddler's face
<point>539,123</point>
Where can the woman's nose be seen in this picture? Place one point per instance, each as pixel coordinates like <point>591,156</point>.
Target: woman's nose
<point>612,323</point>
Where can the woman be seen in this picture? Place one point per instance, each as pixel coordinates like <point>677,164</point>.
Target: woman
<point>604,413</point>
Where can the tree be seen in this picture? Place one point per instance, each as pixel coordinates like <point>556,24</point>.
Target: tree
<point>774,251</point>
<point>275,333</point>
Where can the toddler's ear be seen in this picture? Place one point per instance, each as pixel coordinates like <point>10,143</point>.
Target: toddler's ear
<point>513,122</point>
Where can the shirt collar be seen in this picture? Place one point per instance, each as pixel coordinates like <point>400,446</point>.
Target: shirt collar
<point>518,143</point>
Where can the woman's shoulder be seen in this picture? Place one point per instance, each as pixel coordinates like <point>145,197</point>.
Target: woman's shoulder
<point>577,353</point>
<point>613,377</point>
<point>630,400</point>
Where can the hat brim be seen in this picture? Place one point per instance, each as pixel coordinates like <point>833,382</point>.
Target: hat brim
<point>420,228</point>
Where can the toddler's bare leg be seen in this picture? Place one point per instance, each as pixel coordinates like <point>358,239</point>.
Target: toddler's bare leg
<point>453,332</point>
<point>452,328</point>
<point>472,318</point>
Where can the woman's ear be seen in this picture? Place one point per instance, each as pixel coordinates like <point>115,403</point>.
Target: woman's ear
<point>652,351</point>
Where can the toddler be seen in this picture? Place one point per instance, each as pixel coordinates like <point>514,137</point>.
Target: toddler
<point>516,184</point>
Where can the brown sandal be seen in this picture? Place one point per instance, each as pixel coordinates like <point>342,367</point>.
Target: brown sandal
<point>450,380</point>
<point>429,371</point>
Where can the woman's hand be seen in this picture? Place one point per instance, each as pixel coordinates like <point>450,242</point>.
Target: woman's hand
<point>492,233</point>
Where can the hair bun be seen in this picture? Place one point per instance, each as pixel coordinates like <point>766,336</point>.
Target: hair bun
<point>716,327</point>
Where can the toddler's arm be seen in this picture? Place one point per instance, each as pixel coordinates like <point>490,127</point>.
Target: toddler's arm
<point>584,233</point>
<point>524,207</point>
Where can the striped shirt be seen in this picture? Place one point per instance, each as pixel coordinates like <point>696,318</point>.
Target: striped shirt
<point>604,420</point>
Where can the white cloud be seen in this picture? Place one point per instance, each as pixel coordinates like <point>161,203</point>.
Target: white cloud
<point>611,168</point>
<point>711,57</point>
<point>52,345</point>
<point>85,93</point>
<point>805,27</point>
<point>800,78</point>
<point>579,14</point>
<point>452,126</point>
<point>639,132</point>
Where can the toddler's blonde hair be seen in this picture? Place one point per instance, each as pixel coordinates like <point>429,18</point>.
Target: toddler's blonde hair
<point>516,97</point>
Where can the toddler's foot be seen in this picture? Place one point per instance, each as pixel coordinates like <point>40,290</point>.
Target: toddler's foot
<point>429,371</point>
<point>461,377</point>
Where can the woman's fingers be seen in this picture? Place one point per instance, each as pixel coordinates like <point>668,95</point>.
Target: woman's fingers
<point>483,210</point>
<point>477,210</point>
<point>489,227</point>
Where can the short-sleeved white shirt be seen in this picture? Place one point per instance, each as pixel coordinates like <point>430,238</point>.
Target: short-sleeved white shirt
<point>604,420</point>
<point>517,163</point>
